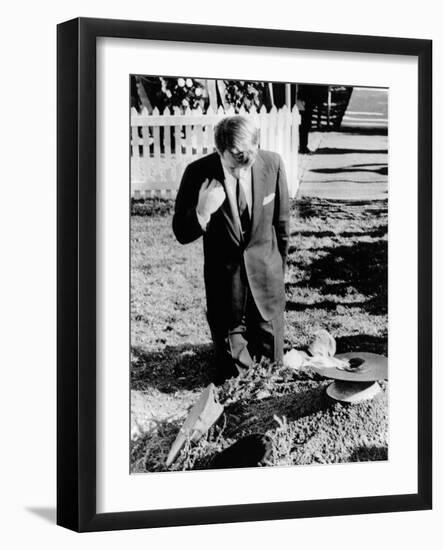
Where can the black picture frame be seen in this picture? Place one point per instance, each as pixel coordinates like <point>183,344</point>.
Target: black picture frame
<point>76,273</point>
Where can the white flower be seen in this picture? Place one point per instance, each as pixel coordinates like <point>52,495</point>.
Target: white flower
<point>185,103</point>
<point>198,92</point>
<point>189,82</point>
<point>168,93</point>
<point>181,82</point>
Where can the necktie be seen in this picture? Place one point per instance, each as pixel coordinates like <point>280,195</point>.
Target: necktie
<point>243,211</point>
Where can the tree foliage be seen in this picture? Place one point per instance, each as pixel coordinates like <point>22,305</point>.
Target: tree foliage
<point>185,92</point>
<point>241,93</point>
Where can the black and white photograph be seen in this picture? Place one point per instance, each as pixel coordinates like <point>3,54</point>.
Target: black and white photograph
<point>258,268</point>
<point>220,284</point>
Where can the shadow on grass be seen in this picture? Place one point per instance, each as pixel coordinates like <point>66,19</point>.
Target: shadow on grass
<point>366,342</point>
<point>376,232</point>
<point>184,367</point>
<point>360,267</point>
<point>258,415</point>
<point>328,305</point>
<point>308,207</point>
<point>346,180</point>
<point>366,454</point>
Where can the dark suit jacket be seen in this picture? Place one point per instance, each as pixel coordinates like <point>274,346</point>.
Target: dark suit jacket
<point>227,258</point>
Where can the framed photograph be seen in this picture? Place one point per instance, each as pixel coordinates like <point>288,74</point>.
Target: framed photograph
<point>244,274</point>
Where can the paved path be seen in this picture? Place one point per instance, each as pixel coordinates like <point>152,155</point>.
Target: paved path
<point>345,166</point>
<point>367,108</point>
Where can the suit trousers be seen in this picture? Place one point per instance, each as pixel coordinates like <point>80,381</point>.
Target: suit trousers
<point>250,339</point>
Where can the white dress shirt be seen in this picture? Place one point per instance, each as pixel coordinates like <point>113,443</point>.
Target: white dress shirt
<point>230,184</point>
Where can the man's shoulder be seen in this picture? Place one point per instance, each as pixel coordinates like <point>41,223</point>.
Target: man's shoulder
<point>269,157</point>
<point>203,162</point>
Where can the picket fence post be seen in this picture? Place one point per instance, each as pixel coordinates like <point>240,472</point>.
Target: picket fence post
<point>162,144</point>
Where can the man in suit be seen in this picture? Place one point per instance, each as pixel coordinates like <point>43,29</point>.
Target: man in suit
<point>237,199</point>
<point>309,96</point>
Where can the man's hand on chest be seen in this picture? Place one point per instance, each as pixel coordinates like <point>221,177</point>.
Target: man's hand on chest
<point>211,196</point>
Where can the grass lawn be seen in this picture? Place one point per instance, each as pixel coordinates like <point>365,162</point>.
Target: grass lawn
<point>336,279</point>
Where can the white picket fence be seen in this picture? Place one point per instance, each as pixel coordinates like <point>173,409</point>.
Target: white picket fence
<point>162,145</point>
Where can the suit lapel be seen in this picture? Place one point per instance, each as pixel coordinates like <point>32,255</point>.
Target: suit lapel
<point>230,216</point>
<point>258,183</point>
